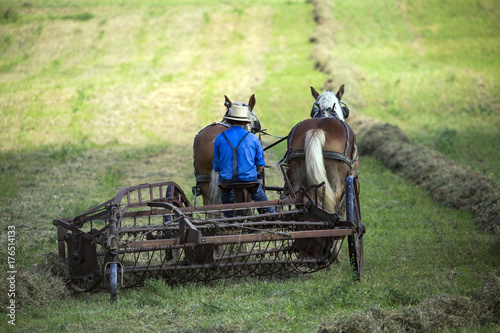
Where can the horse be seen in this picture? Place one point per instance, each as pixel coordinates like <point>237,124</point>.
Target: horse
<point>203,152</point>
<point>323,149</point>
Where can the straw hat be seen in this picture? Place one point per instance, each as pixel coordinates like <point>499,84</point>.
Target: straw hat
<point>238,113</point>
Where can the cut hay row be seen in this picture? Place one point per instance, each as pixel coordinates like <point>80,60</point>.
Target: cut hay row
<point>447,181</point>
<point>442,311</point>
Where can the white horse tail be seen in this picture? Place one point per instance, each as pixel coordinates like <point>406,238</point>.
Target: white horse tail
<point>214,195</point>
<point>315,166</point>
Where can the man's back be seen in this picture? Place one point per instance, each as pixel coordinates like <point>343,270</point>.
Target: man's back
<point>250,154</point>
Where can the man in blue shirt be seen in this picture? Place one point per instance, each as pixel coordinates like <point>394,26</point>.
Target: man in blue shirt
<point>238,156</point>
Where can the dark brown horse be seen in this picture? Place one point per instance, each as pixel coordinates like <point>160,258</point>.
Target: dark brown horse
<point>323,149</point>
<point>203,152</point>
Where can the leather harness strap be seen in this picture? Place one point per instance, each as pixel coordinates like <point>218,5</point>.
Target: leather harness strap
<point>347,140</point>
<point>202,179</point>
<point>235,154</point>
<point>326,154</point>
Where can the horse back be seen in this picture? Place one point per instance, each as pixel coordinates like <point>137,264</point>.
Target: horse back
<point>338,135</point>
<point>203,148</point>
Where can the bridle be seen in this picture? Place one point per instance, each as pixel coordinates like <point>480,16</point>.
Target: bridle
<point>328,112</point>
<point>254,124</point>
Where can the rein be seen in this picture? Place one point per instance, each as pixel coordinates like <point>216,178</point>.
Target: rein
<point>281,139</point>
<point>290,154</point>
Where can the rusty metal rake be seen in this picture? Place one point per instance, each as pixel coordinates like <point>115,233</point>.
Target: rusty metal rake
<point>152,231</point>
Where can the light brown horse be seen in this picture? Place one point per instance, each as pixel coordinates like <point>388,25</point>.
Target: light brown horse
<point>323,149</point>
<point>203,151</point>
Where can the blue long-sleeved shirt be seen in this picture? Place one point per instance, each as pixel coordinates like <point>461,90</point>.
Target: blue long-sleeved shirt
<point>250,154</point>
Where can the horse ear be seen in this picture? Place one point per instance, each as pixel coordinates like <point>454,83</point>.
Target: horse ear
<point>228,102</point>
<point>340,93</point>
<point>314,93</point>
<point>251,102</point>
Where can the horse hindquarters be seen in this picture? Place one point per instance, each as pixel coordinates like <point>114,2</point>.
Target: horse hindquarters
<point>337,173</point>
<point>203,155</point>
<point>297,173</point>
<point>319,170</point>
<point>315,166</point>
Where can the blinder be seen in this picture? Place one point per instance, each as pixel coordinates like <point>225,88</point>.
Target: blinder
<point>345,110</point>
<point>316,110</point>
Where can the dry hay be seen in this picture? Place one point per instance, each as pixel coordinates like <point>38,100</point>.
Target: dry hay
<point>37,287</point>
<point>325,61</point>
<point>448,182</point>
<point>443,311</point>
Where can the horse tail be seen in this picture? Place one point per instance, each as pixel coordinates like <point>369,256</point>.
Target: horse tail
<point>316,174</point>
<point>315,166</point>
<point>214,195</point>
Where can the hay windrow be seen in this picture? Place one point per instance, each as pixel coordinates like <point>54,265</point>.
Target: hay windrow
<point>38,286</point>
<point>448,182</point>
<point>443,311</point>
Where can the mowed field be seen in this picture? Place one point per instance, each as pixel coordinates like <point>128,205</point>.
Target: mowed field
<point>96,96</point>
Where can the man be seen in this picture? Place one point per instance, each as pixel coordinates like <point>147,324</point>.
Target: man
<point>238,156</point>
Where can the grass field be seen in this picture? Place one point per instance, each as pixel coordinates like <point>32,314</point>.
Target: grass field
<point>96,96</point>
<point>432,69</point>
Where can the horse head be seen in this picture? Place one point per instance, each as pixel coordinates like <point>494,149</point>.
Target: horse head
<point>254,125</point>
<point>328,104</point>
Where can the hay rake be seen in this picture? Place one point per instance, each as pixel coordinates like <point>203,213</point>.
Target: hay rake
<point>152,231</point>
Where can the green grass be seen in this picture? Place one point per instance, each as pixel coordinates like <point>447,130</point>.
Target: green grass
<point>414,249</point>
<point>431,69</point>
<point>117,99</point>
<point>285,94</point>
